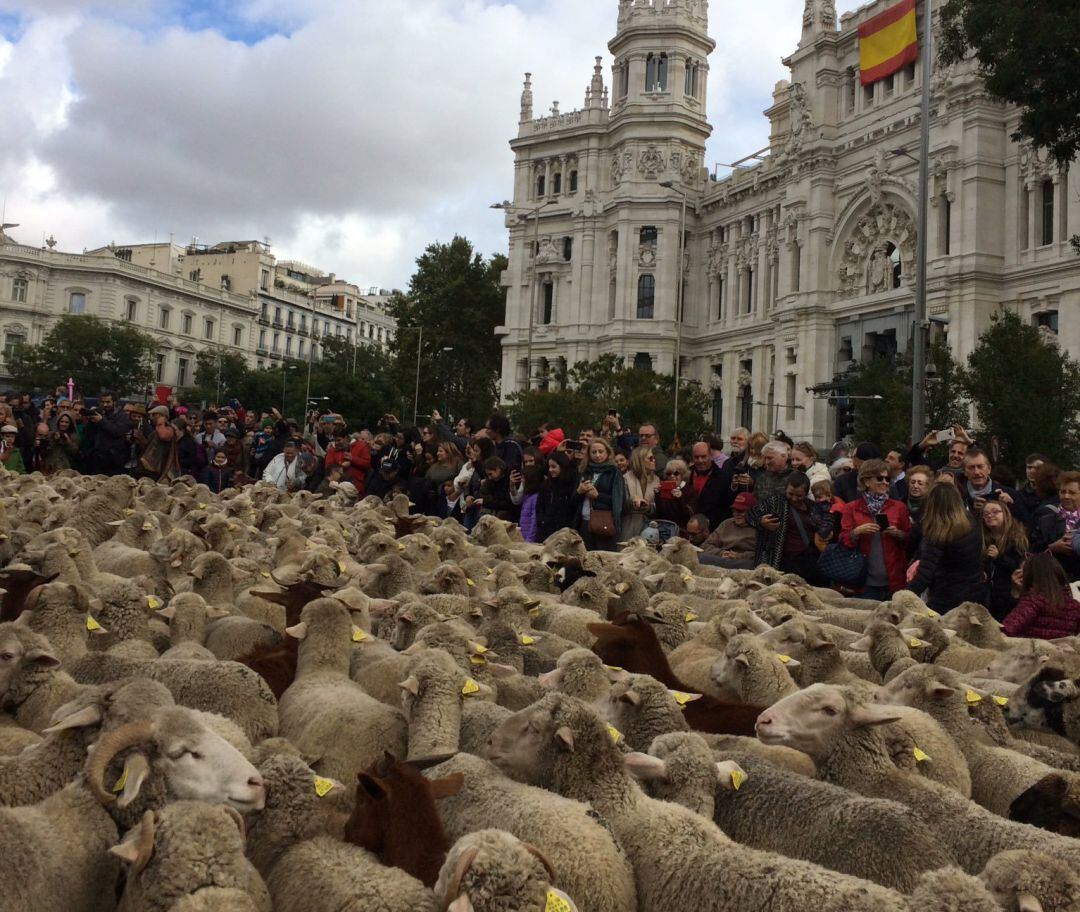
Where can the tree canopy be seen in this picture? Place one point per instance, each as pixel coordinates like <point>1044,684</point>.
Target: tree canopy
<point>1027,55</point>
<point>98,354</point>
<point>596,387</point>
<point>455,298</point>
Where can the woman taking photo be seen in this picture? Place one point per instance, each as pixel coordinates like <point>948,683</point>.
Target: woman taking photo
<point>672,501</point>
<point>471,476</point>
<point>601,499</point>
<point>642,484</point>
<point>950,560</point>
<point>1004,545</point>
<point>878,527</point>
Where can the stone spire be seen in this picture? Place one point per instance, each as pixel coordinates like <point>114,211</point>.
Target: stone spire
<point>527,100</point>
<point>819,18</point>
<point>594,95</point>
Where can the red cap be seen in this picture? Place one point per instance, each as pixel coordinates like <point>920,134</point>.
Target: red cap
<point>744,502</point>
<point>551,441</point>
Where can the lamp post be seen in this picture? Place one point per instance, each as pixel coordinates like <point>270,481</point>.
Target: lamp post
<point>507,206</point>
<point>449,383</point>
<point>671,185</point>
<point>285,368</point>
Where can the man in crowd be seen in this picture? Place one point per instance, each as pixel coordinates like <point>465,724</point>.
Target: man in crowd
<point>706,492</point>
<point>734,543</point>
<point>649,436</point>
<point>506,448</point>
<point>774,479</point>
<point>786,531</point>
<point>978,487</point>
<point>897,463</point>
<point>109,427</point>
<point>847,485</point>
<point>734,470</point>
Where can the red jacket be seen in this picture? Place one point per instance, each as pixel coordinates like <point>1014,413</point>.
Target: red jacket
<point>857,513</point>
<point>1033,616</point>
<point>360,456</point>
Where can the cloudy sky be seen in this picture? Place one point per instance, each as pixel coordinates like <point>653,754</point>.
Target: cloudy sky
<point>351,132</point>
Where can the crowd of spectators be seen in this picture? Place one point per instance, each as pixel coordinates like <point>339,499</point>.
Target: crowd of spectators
<point>939,519</point>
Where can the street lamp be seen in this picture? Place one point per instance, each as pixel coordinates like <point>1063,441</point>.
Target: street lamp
<point>285,368</point>
<point>449,384</point>
<point>507,206</point>
<point>670,185</point>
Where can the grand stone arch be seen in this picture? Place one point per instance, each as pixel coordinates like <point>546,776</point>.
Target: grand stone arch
<point>871,230</point>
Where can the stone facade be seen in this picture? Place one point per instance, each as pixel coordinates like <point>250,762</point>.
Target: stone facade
<point>798,261</point>
<point>234,294</point>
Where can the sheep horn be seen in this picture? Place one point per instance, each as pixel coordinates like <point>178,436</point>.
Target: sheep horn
<point>238,820</point>
<point>460,870</point>
<point>110,744</point>
<point>533,850</point>
<point>423,763</point>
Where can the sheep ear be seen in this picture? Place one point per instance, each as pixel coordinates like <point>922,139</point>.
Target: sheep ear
<point>645,767</point>
<point>446,788</point>
<point>1026,902</point>
<point>565,738</point>
<point>742,659</point>
<point>411,684</point>
<point>297,631</point>
<point>730,775</point>
<point>498,670</point>
<point>941,691</point>
<point>950,633</point>
<point>136,769</point>
<point>137,845</point>
<point>976,621</point>
<point>461,904</point>
<point>862,644</point>
<point>168,612</point>
<point>42,658</point>
<point>372,786</point>
<point>866,715</point>
<point>631,697</point>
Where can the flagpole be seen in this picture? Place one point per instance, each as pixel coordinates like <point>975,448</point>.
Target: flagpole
<point>918,354</point>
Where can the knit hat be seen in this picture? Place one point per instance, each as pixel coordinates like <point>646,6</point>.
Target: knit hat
<point>9,429</point>
<point>159,410</point>
<point>744,502</point>
<point>551,441</point>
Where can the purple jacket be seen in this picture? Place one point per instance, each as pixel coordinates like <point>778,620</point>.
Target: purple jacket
<point>527,523</point>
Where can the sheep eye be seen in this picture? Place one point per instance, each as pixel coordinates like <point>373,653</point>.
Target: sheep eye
<point>6,656</point>
<point>828,710</point>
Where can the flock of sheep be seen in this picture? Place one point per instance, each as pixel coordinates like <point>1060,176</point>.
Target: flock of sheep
<point>264,701</point>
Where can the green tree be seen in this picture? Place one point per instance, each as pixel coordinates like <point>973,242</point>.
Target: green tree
<point>455,298</point>
<point>1026,53</point>
<point>233,374</point>
<point>605,384</point>
<point>887,421</point>
<point>98,354</point>
<point>1026,392</point>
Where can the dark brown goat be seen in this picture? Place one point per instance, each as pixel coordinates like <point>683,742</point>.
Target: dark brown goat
<point>276,663</point>
<point>397,819</point>
<point>630,643</point>
<point>18,585</point>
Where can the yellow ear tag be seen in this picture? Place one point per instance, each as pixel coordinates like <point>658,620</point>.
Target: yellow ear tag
<point>931,613</point>
<point>783,658</point>
<point>616,735</point>
<point>121,782</point>
<point>738,777</point>
<point>478,649</point>
<point>527,640</point>
<point>129,512</point>
<point>920,755</point>
<point>687,579</point>
<point>358,636</point>
<point>341,566</point>
<point>1001,701</point>
<point>690,616</point>
<point>346,534</point>
<point>914,643</point>
<point>683,698</point>
<point>264,573</point>
<point>323,786</point>
<point>972,697</point>
<point>91,624</point>
<point>477,660</point>
<point>470,687</point>
<point>555,903</point>
<point>534,612</point>
<point>613,668</point>
<point>153,603</point>
<point>469,582</point>
<point>201,506</point>
<point>232,527</point>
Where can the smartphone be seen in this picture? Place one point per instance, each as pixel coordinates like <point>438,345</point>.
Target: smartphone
<point>666,487</point>
<point>882,521</point>
<point>576,445</point>
<point>612,413</point>
<point>946,436</point>
<point>993,495</point>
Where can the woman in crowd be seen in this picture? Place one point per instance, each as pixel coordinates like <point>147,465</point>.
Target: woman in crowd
<point>601,500</point>
<point>446,465</point>
<point>1004,545</point>
<point>186,450</point>
<point>159,459</point>
<point>525,491</point>
<point>1046,609</point>
<point>471,476</point>
<point>642,485</point>
<point>804,458</point>
<point>877,526</point>
<point>555,503</point>
<point>1055,526</point>
<point>674,502</point>
<point>66,440</point>
<point>950,560</point>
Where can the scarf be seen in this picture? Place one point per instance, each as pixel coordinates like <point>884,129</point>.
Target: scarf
<point>982,492</point>
<point>1072,519</point>
<point>875,503</point>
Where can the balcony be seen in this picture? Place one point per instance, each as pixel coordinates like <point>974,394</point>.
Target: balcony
<point>302,332</point>
<point>278,324</point>
<point>262,351</point>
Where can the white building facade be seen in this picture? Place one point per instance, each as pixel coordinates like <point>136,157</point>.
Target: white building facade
<point>234,296</point>
<point>798,262</point>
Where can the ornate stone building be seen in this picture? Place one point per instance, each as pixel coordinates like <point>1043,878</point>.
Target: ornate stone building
<point>801,259</point>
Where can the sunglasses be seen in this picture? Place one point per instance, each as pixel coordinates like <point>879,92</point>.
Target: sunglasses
<point>881,478</point>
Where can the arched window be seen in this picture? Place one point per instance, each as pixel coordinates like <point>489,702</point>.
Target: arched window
<point>573,182</point>
<point>643,361</point>
<point>556,183</point>
<point>541,184</point>
<point>646,297</point>
<point>549,304</point>
<point>656,67</point>
<point>893,253</point>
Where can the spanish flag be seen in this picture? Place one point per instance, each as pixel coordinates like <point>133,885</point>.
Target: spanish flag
<point>888,42</point>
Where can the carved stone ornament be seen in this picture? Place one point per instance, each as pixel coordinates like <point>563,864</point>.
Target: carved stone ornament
<point>620,164</point>
<point>800,119</point>
<point>647,255</point>
<point>717,259</point>
<point>865,266</point>
<point>745,379</point>
<point>651,162</point>
<point>1035,164</point>
<point>548,253</point>
<point>716,382</point>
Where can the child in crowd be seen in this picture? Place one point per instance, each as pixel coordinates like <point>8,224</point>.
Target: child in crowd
<point>1046,609</point>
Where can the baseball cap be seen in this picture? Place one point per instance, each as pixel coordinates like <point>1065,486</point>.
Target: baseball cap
<point>744,502</point>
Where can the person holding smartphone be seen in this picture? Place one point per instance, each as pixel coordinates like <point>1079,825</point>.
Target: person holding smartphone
<point>878,526</point>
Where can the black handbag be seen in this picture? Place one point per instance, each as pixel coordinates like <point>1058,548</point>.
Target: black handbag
<point>842,565</point>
